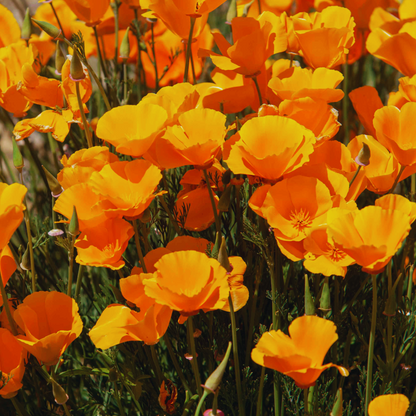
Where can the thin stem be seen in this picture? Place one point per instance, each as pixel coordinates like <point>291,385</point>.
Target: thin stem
<point>397,179</point>
<point>7,308</point>
<point>214,208</point>
<point>305,401</point>
<point>355,175</point>
<point>241,410</point>
<point>138,246</point>
<point>259,409</point>
<point>175,362</point>
<point>154,59</point>
<point>194,361</point>
<point>117,394</point>
<point>125,81</point>
<point>57,19</point>
<point>201,403</point>
<point>71,265</point>
<point>345,104</point>
<point>258,90</point>
<point>67,413</point>
<point>20,411</point>
<point>79,281</point>
<point>159,374</point>
<point>139,55</point>
<point>311,394</point>
<point>83,118</point>
<point>189,49</point>
<point>259,5</point>
<point>369,383</point>
<point>116,6</point>
<point>100,55</point>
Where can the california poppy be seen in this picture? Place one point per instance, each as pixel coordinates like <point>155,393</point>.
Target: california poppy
<point>301,354</point>
<point>389,404</point>
<point>7,267</point>
<point>89,11</point>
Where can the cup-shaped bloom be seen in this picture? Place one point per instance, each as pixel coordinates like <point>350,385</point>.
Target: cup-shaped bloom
<point>103,245</point>
<point>89,11</point>
<point>11,30</point>
<point>389,404</point>
<point>301,354</point>
<point>50,321</point>
<point>371,236</point>
<point>396,131</point>
<point>324,38</point>
<point>270,146</point>
<point>79,167</point>
<point>188,281</point>
<point>132,128</point>
<point>11,210</point>
<point>318,84</point>
<point>196,140</point>
<point>196,8</point>
<point>12,366</point>
<point>126,188</point>
<point>7,266</point>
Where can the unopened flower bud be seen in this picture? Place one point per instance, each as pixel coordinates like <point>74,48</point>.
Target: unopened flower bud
<point>25,264</point>
<point>226,177</point>
<point>232,11</point>
<point>73,225</point>
<point>214,379</point>
<point>363,157</point>
<point>224,202</point>
<point>76,71</point>
<point>26,26</point>
<point>325,301</point>
<point>50,29</point>
<point>59,393</point>
<point>125,46</point>
<point>54,185</point>
<point>223,256</point>
<point>59,59</point>
<point>337,408</point>
<point>17,157</point>
<point>309,303</point>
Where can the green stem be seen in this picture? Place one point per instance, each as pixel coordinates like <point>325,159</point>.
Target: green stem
<point>116,6</point>
<point>125,81</point>
<point>117,394</point>
<point>201,403</point>
<point>83,118</point>
<point>7,308</point>
<point>189,49</point>
<point>154,59</point>
<point>259,5</point>
<point>241,407</point>
<point>397,179</point>
<point>194,361</point>
<point>71,265</point>
<point>139,56</point>
<point>311,394</point>
<point>214,208</point>
<point>67,412</point>
<point>138,246</point>
<point>100,55</point>
<point>258,90</point>
<point>20,411</point>
<point>259,409</point>
<point>355,175</point>
<point>345,104</point>
<point>305,401</point>
<point>175,362</point>
<point>159,374</point>
<point>79,281</point>
<point>369,384</point>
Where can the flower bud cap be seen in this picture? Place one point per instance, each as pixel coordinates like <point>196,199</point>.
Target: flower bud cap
<point>125,46</point>
<point>76,71</point>
<point>50,29</point>
<point>26,26</point>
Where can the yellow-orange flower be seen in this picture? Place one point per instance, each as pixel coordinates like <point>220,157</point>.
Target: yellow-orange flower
<point>11,210</point>
<point>50,321</point>
<point>12,364</point>
<point>300,355</point>
<point>89,11</point>
<point>10,32</point>
<point>270,146</point>
<point>389,404</point>
<point>188,281</point>
<point>103,245</point>
<point>7,266</point>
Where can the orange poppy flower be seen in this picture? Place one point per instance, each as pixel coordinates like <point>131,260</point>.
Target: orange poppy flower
<point>11,210</point>
<point>277,7</point>
<point>389,404</point>
<point>196,8</point>
<point>270,146</point>
<point>132,128</point>
<point>103,245</point>
<point>398,203</point>
<point>188,281</point>
<point>50,321</point>
<point>396,131</point>
<point>301,354</point>
<point>255,40</point>
<point>118,324</point>
<point>82,197</point>
<point>371,236</point>
<point>89,11</point>
<point>322,256</point>
<point>318,84</point>
<point>12,364</point>
<point>125,188</point>
<point>324,38</point>
<point>195,140</point>
<point>7,266</point>
<point>10,28</point>
<point>79,167</point>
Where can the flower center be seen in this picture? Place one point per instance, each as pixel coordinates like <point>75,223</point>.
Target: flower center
<point>335,254</point>
<point>300,220</point>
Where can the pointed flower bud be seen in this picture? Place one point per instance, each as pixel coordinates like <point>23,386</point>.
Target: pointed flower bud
<point>17,157</point>
<point>125,46</point>
<point>309,303</point>
<point>325,301</point>
<point>59,59</point>
<point>363,157</point>
<point>214,379</point>
<point>224,202</point>
<point>50,29</point>
<point>223,256</point>
<point>215,250</point>
<point>232,11</point>
<point>26,26</point>
<point>226,177</point>
<point>73,225</point>
<point>76,72</point>
<point>54,185</point>
<point>59,393</point>
<point>25,264</point>
<point>337,408</point>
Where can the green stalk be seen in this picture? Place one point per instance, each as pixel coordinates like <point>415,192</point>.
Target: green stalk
<point>194,361</point>
<point>345,104</point>
<point>139,56</point>
<point>100,55</point>
<point>125,81</point>
<point>258,90</point>
<point>397,179</point>
<point>20,411</point>
<point>116,6</point>
<point>369,383</point>
<point>117,394</point>
<point>83,118</point>
<point>159,374</point>
<point>67,413</point>
<point>201,403</point>
<point>175,362</point>
<point>241,407</point>
<point>214,208</point>
<point>259,409</point>
<point>154,59</point>
<point>138,246</point>
<point>189,49</point>
<point>71,265</point>
<point>311,394</point>
<point>355,175</point>
<point>79,281</point>
<point>57,18</point>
